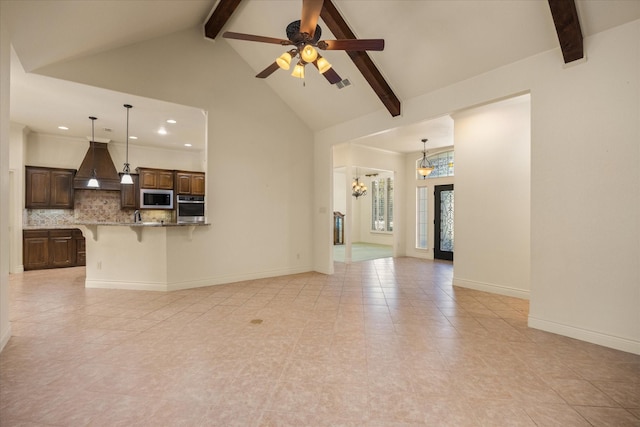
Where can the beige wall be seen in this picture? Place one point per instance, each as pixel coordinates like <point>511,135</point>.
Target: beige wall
<point>18,136</point>
<point>492,197</point>
<point>585,183</point>
<point>64,152</point>
<point>259,189</point>
<point>5,235</point>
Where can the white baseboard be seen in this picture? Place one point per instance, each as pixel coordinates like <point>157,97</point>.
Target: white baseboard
<point>132,286</point>
<point>6,335</point>
<point>232,278</point>
<point>199,283</point>
<point>492,288</point>
<point>593,337</point>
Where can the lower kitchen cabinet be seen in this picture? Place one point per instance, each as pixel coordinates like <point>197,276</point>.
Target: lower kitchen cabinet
<point>35,249</point>
<point>81,248</point>
<point>53,248</point>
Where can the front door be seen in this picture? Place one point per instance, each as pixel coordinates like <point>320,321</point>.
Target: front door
<point>443,223</point>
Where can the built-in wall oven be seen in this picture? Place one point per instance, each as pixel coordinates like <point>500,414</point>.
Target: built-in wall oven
<point>190,209</point>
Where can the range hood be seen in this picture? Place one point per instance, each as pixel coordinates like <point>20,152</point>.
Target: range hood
<point>105,169</point>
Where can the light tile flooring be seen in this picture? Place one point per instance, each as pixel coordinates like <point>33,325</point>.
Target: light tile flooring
<point>379,343</point>
<point>362,252</point>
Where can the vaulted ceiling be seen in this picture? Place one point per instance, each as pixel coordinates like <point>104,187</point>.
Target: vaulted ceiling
<point>428,44</point>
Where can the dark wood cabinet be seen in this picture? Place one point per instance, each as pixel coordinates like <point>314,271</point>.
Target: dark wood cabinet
<point>161,179</point>
<point>53,248</point>
<point>62,249</point>
<point>81,247</point>
<point>35,248</point>
<point>130,194</point>
<point>197,184</point>
<point>48,188</point>
<point>191,183</point>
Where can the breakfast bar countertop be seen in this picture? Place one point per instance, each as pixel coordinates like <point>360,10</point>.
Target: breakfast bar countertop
<point>144,224</point>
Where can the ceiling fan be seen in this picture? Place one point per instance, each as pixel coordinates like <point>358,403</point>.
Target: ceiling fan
<point>304,37</point>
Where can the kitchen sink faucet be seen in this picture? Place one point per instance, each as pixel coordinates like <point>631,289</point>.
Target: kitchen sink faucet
<point>136,216</point>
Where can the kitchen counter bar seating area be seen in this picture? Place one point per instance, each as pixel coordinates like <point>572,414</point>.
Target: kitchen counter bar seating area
<point>149,258</point>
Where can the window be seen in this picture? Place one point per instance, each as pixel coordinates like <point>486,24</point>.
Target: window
<point>421,218</point>
<point>382,204</point>
<point>442,164</point>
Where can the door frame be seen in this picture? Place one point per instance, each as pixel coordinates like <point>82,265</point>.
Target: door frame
<point>437,253</point>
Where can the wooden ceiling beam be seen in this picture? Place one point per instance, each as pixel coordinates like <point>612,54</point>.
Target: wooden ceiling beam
<point>219,17</point>
<point>565,18</point>
<point>361,59</point>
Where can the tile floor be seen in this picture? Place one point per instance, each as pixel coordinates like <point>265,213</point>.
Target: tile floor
<point>362,252</point>
<point>380,343</point>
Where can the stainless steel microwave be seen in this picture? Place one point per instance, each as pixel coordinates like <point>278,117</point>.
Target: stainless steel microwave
<point>156,199</point>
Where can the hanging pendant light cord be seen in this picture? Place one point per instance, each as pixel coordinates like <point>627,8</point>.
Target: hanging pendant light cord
<point>93,148</point>
<point>126,164</point>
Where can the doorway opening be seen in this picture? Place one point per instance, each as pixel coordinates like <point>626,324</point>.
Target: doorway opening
<point>363,226</point>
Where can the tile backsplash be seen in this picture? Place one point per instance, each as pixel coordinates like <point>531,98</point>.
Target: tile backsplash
<point>91,206</point>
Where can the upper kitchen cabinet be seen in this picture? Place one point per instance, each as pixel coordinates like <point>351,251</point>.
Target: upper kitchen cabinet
<point>161,179</point>
<point>48,188</point>
<point>190,183</point>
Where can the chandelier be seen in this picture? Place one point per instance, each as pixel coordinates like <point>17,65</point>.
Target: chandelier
<point>425,167</point>
<point>358,188</point>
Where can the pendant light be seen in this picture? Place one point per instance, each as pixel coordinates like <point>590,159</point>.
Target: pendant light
<point>425,167</point>
<point>126,176</point>
<point>93,181</point>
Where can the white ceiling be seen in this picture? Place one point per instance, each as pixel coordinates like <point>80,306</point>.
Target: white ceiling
<point>429,44</point>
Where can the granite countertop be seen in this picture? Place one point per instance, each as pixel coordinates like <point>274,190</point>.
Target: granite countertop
<point>49,227</point>
<point>105,223</point>
<point>141,224</point>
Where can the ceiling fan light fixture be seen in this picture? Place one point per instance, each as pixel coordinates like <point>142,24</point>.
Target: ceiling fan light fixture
<point>284,61</point>
<point>298,71</point>
<point>308,53</point>
<point>323,64</point>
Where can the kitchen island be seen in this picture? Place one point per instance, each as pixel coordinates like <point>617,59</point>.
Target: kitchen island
<point>141,255</point>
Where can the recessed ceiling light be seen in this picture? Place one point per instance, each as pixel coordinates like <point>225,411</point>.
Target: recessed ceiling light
<point>133,137</point>
<point>162,131</point>
<point>171,121</point>
<point>187,145</point>
<point>63,128</point>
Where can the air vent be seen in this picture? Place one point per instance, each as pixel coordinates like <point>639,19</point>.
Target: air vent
<point>343,83</point>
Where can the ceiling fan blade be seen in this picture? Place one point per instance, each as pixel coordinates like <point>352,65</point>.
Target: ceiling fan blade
<point>331,75</point>
<point>268,71</point>
<point>352,44</point>
<point>310,13</point>
<point>254,38</point>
